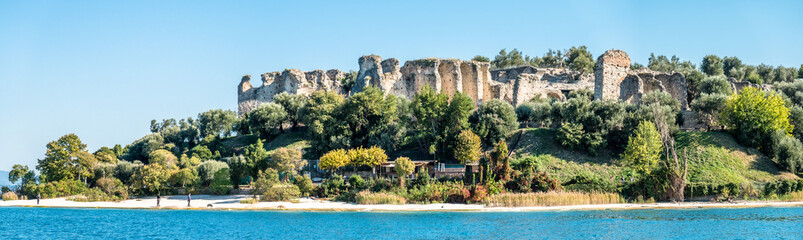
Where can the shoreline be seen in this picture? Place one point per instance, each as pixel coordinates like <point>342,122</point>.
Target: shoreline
<point>232,202</point>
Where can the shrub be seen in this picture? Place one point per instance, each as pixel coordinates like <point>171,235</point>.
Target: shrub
<point>542,182</point>
<point>222,183</point>
<point>787,152</point>
<point>379,185</point>
<point>124,170</point>
<point>112,187</point>
<point>357,183</point>
<point>9,196</point>
<point>93,195</point>
<point>331,187</point>
<point>281,192</point>
<point>477,193</point>
<point>366,197</point>
<point>208,170</point>
<point>61,188</point>
<point>753,115</point>
<point>304,184</point>
<point>493,120</point>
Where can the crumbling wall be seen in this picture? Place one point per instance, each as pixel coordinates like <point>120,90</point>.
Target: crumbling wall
<point>290,80</point>
<point>442,75</point>
<point>609,71</point>
<point>524,83</point>
<point>377,73</point>
<point>739,85</point>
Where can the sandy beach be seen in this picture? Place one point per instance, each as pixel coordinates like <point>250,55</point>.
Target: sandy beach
<point>305,204</point>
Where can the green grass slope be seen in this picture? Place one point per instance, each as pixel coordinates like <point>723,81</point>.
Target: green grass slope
<point>715,159</point>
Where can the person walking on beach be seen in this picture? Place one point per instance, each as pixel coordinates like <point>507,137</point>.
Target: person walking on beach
<point>38,196</point>
<point>158,199</point>
<point>189,198</point>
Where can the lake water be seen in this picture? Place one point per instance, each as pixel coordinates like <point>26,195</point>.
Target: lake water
<point>63,223</point>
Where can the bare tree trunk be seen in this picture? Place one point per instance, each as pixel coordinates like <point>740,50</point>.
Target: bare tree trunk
<point>676,173</point>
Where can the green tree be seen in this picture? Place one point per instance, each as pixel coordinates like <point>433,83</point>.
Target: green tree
<point>800,71</point>
<point>715,85</point>
<point>221,183</point>
<point>693,79</point>
<point>265,118</point>
<point>766,72</point>
<point>84,163</point>
<point>59,162</point>
<point>185,177</point>
<point>712,65</point>
<point>217,122</point>
<point>256,158</point>
<point>708,107</point>
<point>287,160</point>
<point>731,63</point>
<point>201,152</point>
<point>319,115</point>
<point>403,167</point>
<point>208,169</point>
<point>18,173</point>
<point>238,169</point>
<point>163,157</point>
<point>643,149</point>
<point>291,104</point>
<point>429,108</point>
<point>753,114</point>
<point>580,59</point>
<point>468,147</point>
<point>493,120</point>
<point>506,60</point>
<point>553,58</point>
<point>154,177</point>
<point>142,148</point>
<point>367,115</point>
<point>501,161</point>
<point>479,58</point>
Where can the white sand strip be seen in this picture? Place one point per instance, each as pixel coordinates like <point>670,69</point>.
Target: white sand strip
<point>233,202</point>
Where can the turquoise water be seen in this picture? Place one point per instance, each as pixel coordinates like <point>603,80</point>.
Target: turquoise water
<point>63,223</point>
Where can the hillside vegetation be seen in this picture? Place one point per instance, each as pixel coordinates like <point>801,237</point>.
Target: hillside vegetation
<point>715,161</point>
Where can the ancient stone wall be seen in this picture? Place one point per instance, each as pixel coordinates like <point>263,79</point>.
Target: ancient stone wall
<point>524,83</point>
<point>609,72</point>
<point>639,82</point>
<point>612,79</point>
<point>443,75</point>
<point>290,80</point>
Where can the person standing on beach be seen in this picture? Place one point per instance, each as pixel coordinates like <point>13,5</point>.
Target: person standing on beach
<point>189,198</point>
<point>38,196</point>
<point>158,199</point>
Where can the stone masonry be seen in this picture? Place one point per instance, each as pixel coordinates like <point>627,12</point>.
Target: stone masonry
<point>612,80</point>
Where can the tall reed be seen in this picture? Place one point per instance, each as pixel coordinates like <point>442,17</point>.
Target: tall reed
<point>555,198</point>
<point>366,197</point>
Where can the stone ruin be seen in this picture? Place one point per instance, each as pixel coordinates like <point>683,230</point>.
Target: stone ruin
<point>612,80</point>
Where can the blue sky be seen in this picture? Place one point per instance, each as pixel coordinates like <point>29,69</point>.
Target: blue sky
<point>104,69</point>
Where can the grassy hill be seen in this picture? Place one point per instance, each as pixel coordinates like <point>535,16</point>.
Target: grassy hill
<point>715,159</point>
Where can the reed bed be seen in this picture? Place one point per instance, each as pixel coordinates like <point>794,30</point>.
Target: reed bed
<point>545,199</point>
<point>9,196</point>
<point>379,198</point>
<point>792,197</point>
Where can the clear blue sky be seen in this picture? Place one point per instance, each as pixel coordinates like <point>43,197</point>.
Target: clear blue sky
<point>104,69</point>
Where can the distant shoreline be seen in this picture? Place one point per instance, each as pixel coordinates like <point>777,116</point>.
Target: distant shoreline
<point>232,202</point>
